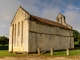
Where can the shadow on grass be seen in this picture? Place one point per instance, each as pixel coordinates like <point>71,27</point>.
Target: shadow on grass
<point>74,52</point>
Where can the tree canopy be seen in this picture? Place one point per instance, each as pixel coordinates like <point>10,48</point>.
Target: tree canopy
<point>4,40</point>
<point>76,36</point>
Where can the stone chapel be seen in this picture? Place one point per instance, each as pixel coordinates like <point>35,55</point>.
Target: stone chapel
<point>28,33</point>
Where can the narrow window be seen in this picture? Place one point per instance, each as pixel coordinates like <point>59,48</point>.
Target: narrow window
<point>15,33</point>
<point>61,19</point>
<point>18,28</point>
<point>22,33</point>
<point>58,19</point>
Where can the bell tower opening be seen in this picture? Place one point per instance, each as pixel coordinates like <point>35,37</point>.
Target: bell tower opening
<point>60,18</point>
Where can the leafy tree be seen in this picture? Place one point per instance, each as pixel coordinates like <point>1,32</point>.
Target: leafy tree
<point>79,38</point>
<point>76,38</point>
<point>4,40</point>
<point>75,33</point>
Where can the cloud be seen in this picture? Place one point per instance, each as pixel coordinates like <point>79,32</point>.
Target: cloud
<point>50,13</point>
<point>7,11</point>
<point>72,18</point>
<point>43,8</point>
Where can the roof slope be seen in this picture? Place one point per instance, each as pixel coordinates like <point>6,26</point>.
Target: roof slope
<point>49,22</point>
<point>45,20</point>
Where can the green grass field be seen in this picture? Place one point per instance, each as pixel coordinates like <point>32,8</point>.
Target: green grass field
<point>75,52</point>
<point>5,53</point>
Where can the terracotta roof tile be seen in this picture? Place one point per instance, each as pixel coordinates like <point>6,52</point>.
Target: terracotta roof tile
<point>49,22</point>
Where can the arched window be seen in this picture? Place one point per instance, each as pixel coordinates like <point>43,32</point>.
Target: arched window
<point>61,19</point>
<point>15,33</point>
<point>18,28</point>
<point>22,33</point>
<point>58,19</point>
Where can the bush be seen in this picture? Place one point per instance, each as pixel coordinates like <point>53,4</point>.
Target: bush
<point>4,40</point>
<point>77,44</point>
<point>3,47</point>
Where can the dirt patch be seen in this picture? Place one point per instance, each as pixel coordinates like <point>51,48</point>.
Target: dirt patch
<point>39,58</point>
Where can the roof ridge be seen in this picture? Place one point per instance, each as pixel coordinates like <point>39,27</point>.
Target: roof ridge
<point>49,21</point>
<point>24,10</point>
<point>43,20</point>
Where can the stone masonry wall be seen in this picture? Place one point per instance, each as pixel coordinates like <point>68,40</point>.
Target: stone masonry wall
<point>20,31</point>
<point>29,35</point>
<point>45,37</point>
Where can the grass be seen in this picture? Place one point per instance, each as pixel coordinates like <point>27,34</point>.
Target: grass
<point>75,52</point>
<point>5,53</point>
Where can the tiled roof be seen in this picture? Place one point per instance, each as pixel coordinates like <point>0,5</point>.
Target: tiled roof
<point>49,22</point>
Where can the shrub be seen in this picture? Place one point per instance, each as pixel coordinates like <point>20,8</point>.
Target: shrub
<point>4,40</point>
<point>3,47</point>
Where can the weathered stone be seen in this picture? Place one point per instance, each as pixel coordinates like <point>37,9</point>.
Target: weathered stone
<point>39,51</point>
<point>51,51</point>
<point>27,33</point>
<point>67,50</point>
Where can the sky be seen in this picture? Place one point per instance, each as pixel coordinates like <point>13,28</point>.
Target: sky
<point>48,9</point>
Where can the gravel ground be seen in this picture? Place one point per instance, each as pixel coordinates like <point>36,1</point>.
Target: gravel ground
<point>39,58</point>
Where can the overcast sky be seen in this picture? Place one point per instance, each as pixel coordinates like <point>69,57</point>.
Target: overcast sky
<point>48,9</point>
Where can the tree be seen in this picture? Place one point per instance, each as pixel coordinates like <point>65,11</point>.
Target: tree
<point>75,33</point>
<point>4,40</point>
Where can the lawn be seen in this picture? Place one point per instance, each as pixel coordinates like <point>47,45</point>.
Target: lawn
<point>75,52</point>
<point>5,53</point>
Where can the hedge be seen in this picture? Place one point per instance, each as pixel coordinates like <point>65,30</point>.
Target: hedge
<point>77,46</point>
<point>3,47</point>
